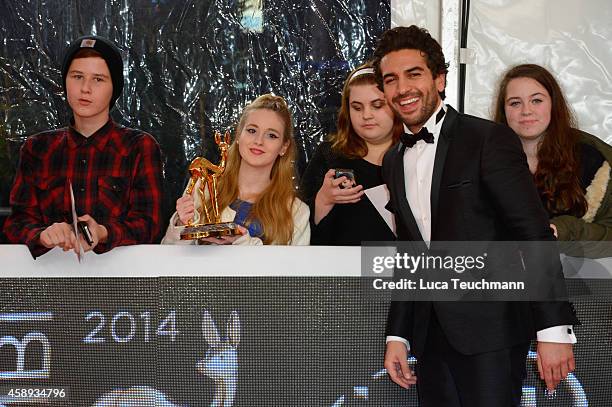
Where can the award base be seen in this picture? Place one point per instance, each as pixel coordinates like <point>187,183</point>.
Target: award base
<point>210,230</point>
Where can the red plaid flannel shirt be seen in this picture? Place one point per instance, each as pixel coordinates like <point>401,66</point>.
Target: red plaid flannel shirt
<point>116,175</point>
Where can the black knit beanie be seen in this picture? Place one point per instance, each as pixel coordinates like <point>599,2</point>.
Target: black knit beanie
<point>110,53</point>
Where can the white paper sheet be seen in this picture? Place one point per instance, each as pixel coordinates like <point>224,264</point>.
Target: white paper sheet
<point>379,196</point>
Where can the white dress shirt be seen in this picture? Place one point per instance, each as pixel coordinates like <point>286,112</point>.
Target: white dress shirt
<point>418,172</point>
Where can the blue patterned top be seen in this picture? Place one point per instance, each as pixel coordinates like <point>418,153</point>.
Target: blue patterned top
<point>243,209</point>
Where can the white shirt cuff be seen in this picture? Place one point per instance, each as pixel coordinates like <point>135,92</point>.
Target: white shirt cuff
<point>398,339</point>
<point>557,334</point>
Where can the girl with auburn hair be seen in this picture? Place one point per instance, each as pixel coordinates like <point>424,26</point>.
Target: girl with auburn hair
<point>257,189</point>
<point>366,129</point>
<point>571,168</point>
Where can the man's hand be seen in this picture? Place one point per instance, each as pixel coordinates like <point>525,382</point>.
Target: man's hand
<point>99,234</point>
<point>396,363</point>
<point>555,361</point>
<point>58,234</point>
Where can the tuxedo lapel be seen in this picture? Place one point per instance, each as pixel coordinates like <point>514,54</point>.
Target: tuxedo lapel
<point>404,208</point>
<point>444,140</point>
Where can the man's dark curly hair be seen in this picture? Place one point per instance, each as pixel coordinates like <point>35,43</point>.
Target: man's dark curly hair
<point>412,37</point>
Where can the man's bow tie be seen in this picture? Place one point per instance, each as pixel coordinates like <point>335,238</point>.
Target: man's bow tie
<point>410,140</point>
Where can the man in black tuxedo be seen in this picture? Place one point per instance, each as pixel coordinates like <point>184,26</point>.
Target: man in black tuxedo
<point>456,177</point>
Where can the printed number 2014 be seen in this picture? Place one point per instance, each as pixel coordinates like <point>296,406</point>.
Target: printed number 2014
<point>129,324</point>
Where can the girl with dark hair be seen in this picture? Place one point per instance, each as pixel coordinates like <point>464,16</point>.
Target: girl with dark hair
<point>571,168</point>
<point>366,128</point>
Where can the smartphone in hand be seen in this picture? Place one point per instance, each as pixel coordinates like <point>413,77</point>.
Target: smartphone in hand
<point>345,172</point>
<point>85,232</point>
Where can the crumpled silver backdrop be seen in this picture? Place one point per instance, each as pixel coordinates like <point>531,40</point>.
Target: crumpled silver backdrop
<point>571,38</point>
<point>191,65</point>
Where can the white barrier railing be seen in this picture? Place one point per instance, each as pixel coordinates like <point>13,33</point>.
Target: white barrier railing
<point>162,260</point>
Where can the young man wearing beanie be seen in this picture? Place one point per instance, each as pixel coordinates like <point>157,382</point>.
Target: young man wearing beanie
<point>115,172</point>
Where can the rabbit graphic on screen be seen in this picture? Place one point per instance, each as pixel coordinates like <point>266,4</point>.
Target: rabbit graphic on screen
<point>221,360</point>
<point>220,364</point>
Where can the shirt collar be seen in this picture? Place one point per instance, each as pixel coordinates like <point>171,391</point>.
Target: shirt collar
<point>98,139</point>
<point>432,126</point>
